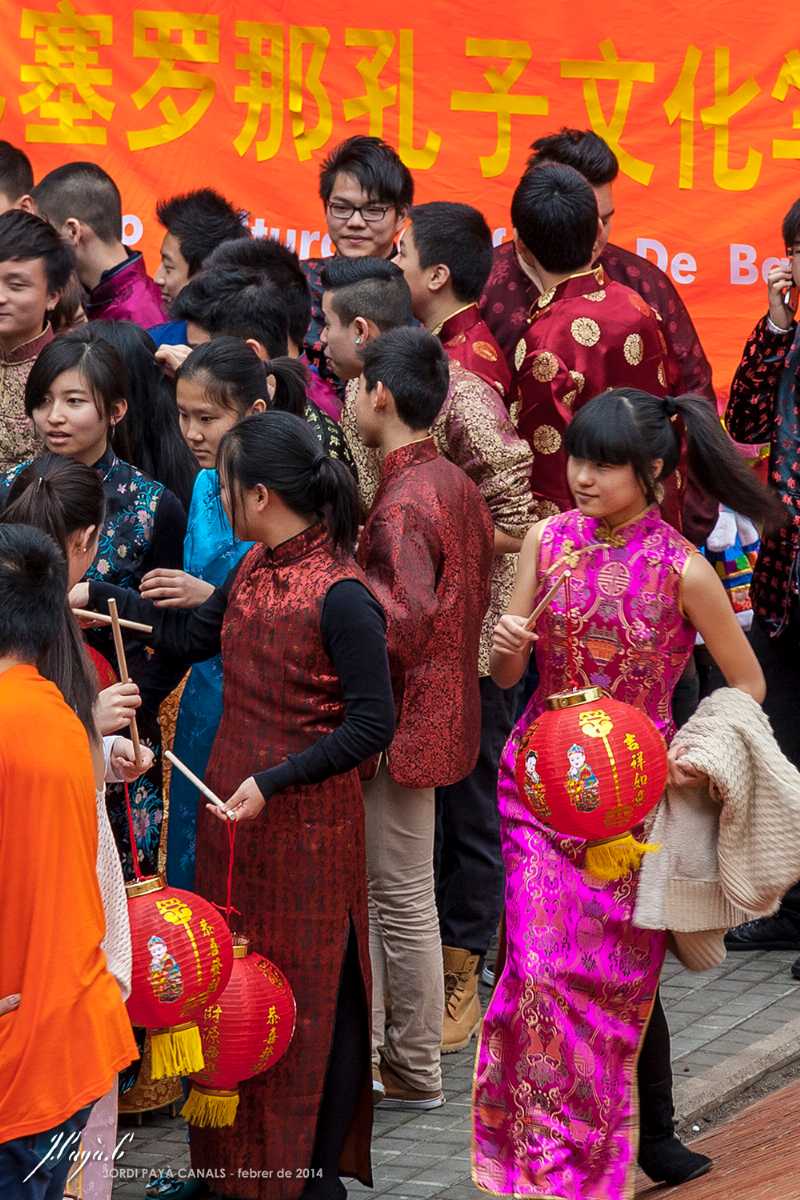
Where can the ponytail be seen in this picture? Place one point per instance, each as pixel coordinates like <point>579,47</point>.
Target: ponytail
<point>627,426</point>
<point>281,452</point>
<point>291,381</point>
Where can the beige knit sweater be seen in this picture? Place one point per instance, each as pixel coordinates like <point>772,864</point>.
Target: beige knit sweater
<point>730,849</point>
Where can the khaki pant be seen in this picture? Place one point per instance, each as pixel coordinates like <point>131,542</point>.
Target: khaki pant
<point>404,943</point>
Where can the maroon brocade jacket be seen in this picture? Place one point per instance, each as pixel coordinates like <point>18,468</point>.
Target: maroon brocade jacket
<point>509,296</point>
<point>765,406</point>
<point>468,339</point>
<point>427,550</point>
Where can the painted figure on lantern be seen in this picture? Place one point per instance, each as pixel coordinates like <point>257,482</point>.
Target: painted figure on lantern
<point>165,973</point>
<point>583,785</point>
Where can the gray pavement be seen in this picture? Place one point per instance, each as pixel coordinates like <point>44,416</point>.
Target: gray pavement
<point>729,1026</point>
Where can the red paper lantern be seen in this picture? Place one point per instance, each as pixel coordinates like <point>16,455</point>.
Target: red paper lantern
<point>591,767</point>
<point>182,958</point>
<point>244,1032</point>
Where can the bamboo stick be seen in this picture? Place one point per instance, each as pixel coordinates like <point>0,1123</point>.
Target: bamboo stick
<point>122,665</point>
<point>543,603</point>
<point>84,614</point>
<point>198,783</point>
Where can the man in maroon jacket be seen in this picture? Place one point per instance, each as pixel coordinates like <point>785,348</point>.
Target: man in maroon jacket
<point>427,549</point>
<point>513,290</point>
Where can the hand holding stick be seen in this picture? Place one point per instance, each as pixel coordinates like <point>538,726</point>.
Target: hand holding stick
<point>122,666</point>
<point>543,603</point>
<point>198,783</point>
<point>85,614</point>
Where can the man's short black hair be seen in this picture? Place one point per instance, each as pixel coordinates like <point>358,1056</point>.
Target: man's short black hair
<point>372,288</point>
<point>791,226</point>
<point>16,173</point>
<point>581,149</point>
<point>237,304</point>
<point>554,212</point>
<point>33,589</point>
<point>378,168</point>
<point>277,265</point>
<point>24,236</point>
<point>84,191</point>
<point>200,221</point>
<point>457,236</point>
<point>413,365</point>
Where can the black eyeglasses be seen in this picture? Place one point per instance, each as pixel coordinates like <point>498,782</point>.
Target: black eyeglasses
<point>371,213</point>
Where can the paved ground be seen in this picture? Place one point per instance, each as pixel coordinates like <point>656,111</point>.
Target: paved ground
<point>729,1026</point>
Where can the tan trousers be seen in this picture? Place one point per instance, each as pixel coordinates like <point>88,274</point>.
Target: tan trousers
<point>404,943</point>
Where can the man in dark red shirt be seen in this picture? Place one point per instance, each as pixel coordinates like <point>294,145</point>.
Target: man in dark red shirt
<point>427,549</point>
<point>446,256</point>
<point>512,290</point>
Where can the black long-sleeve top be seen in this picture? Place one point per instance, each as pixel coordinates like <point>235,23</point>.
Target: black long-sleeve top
<point>353,631</point>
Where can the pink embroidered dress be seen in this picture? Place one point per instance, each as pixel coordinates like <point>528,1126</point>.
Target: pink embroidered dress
<point>555,1113</point>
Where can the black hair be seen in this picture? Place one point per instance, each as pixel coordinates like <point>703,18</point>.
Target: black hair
<point>554,212</point>
<point>373,288</point>
<point>234,377</point>
<point>581,149</point>
<point>627,426</point>
<point>277,265</point>
<point>281,452</point>
<point>238,304</point>
<point>64,316</point>
<point>149,437</point>
<point>457,236</point>
<point>378,168</point>
<point>33,584</point>
<point>84,350</point>
<point>24,236</point>
<point>200,221</point>
<point>791,226</point>
<point>413,365</point>
<point>16,173</point>
<point>61,496</point>
<point>84,191</point>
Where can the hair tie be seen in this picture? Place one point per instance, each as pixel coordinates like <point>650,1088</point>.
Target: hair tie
<point>670,407</point>
<point>318,461</point>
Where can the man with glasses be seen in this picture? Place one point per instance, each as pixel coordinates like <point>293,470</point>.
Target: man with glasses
<point>765,406</point>
<point>367,191</point>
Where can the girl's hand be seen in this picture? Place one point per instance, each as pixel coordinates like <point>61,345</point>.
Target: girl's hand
<point>681,773</point>
<point>79,595</point>
<point>172,358</point>
<point>511,637</point>
<point>115,707</point>
<point>9,1004</point>
<point>123,761</point>
<point>246,803</point>
<point>174,589</point>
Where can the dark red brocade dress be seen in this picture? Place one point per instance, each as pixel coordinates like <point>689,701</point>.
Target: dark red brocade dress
<point>287,619</point>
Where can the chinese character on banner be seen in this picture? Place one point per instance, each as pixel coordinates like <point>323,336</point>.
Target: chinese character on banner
<point>263,61</point>
<point>788,77</point>
<point>304,79</point>
<point>625,74</point>
<point>378,96</point>
<point>717,117</point>
<point>66,73</point>
<point>171,38</point>
<point>680,106</point>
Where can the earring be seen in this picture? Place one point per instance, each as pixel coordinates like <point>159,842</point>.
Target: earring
<point>658,492</point>
<point>357,340</point>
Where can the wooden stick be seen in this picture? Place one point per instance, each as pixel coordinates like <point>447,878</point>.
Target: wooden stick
<point>124,677</point>
<point>543,603</point>
<point>84,614</point>
<point>198,783</point>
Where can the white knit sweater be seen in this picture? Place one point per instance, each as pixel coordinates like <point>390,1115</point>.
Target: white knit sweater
<point>117,941</point>
<point>730,849</point>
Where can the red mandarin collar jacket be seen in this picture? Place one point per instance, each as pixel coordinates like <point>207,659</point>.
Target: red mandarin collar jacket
<point>427,549</point>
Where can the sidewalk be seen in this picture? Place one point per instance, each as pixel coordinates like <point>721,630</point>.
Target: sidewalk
<point>729,1027</point>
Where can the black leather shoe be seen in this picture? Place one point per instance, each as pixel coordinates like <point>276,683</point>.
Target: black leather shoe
<point>796,969</point>
<point>781,932</point>
<point>667,1160</point>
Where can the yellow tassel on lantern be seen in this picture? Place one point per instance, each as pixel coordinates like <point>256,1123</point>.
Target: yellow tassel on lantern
<point>615,857</point>
<point>210,1108</point>
<point>176,1051</point>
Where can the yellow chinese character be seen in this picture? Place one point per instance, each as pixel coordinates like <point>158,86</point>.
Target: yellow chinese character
<point>66,74</point>
<point>717,116</point>
<point>307,140</point>
<point>197,41</point>
<point>631,742</point>
<point>272,1015</point>
<point>626,74</point>
<point>788,76</point>
<point>378,96</point>
<point>263,60</point>
<point>499,100</point>
<point>679,106</point>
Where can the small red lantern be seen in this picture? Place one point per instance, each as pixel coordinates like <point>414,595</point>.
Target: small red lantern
<point>182,957</point>
<point>591,767</point>
<point>245,1031</point>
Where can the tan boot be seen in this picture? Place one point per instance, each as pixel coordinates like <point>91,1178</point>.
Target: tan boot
<point>462,1008</point>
